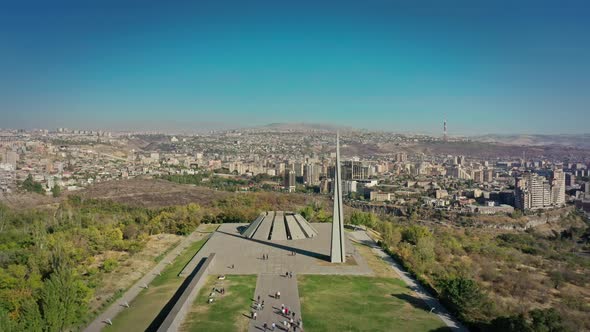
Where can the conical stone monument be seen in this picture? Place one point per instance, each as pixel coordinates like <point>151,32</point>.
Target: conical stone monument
<point>337,252</point>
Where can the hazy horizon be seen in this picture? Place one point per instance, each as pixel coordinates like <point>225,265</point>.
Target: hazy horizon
<point>163,129</point>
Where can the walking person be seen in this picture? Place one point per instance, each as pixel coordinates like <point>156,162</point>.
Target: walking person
<point>254,316</point>
<point>278,295</point>
<point>273,326</point>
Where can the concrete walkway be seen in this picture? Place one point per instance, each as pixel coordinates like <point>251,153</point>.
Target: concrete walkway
<point>119,305</point>
<point>414,285</point>
<point>266,287</point>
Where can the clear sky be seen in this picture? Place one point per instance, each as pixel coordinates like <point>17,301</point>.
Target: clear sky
<point>486,66</point>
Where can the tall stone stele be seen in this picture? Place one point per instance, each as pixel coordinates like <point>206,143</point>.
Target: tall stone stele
<point>337,252</point>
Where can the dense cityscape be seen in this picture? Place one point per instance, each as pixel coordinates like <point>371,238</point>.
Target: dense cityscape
<point>378,168</point>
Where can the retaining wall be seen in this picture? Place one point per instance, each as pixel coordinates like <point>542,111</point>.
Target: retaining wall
<point>177,314</point>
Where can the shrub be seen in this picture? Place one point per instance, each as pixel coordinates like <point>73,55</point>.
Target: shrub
<point>109,265</point>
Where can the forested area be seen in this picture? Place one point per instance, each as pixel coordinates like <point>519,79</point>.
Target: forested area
<point>498,280</point>
<point>48,257</point>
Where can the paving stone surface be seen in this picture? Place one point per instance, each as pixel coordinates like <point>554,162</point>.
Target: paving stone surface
<point>267,285</point>
<point>245,255</point>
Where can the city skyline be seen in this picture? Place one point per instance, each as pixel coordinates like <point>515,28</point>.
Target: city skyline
<point>497,68</point>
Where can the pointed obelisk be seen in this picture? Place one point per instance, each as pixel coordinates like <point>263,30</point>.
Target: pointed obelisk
<point>337,252</point>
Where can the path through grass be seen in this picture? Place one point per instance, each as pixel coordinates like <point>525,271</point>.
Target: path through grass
<point>146,306</point>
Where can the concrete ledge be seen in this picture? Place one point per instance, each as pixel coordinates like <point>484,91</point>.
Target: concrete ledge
<point>194,262</point>
<point>195,281</point>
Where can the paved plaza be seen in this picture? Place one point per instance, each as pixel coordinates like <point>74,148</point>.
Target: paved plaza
<point>239,255</point>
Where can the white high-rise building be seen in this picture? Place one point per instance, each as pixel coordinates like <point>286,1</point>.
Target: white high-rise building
<point>311,174</point>
<point>558,187</point>
<point>349,186</point>
<point>533,191</point>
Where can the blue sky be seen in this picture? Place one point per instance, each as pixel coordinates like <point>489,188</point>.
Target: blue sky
<point>485,66</point>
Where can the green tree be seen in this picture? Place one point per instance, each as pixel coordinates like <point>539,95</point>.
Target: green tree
<point>391,235</point>
<point>64,300</point>
<point>31,317</point>
<point>516,323</point>
<point>30,185</point>
<point>109,265</point>
<point>363,218</point>
<point>8,324</point>
<point>414,233</point>
<point>547,320</point>
<point>463,296</point>
<point>423,253</point>
<point>307,212</point>
<point>56,191</point>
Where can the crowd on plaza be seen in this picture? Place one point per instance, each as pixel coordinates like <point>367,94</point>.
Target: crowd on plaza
<point>289,322</point>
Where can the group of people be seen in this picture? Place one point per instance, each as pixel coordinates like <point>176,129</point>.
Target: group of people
<point>289,274</point>
<point>289,323</point>
<point>257,307</point>
<point>264,257</point>
<point>219,290</point>
<point>286,312</point>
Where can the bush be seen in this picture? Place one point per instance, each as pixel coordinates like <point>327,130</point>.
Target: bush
<point>463,297</point>
<point>414,233</point>
<point>109,265</point>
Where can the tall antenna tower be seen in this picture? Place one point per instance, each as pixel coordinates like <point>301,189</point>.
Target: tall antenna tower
<point>445,130</point>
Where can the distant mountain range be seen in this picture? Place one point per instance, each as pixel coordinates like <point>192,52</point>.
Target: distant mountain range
<point>575,140</point>
<point>305,126</point>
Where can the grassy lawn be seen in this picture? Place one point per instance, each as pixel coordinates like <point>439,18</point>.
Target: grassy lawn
<point>360,303</point>
<point>227,312</point>
<point>146,306</point>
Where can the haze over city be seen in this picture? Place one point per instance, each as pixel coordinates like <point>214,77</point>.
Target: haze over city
<point>486,67</point>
